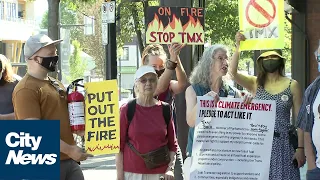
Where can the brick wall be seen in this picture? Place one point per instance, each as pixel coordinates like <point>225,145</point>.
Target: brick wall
<point>313,30</point>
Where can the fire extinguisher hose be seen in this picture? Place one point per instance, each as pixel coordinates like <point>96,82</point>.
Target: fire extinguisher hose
<point>74,84</point>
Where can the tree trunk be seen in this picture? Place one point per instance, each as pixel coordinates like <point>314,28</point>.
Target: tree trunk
<point>134,12</point>
<point>145,12</point>
<point>53,29</point>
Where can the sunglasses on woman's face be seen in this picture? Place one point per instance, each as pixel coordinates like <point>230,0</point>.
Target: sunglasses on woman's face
<point>145,80</point>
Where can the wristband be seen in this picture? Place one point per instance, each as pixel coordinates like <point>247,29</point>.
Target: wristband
<point>171,65</point>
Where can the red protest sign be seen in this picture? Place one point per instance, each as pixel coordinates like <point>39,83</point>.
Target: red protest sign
<point>265,13</point>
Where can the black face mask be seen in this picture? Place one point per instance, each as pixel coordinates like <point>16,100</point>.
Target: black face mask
<point>160,72</point>
<point>49,63</point>
<point>271,66</point>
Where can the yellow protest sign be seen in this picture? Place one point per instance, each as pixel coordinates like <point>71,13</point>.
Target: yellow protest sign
<point>102,134</point>
<point>262,23</point>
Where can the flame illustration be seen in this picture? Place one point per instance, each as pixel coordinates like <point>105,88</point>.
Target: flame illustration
<point>175,26</point>
<point>101,148</point>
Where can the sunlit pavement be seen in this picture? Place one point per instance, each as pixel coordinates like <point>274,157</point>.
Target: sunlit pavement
<point>104,168</point>
<point>99,168</point>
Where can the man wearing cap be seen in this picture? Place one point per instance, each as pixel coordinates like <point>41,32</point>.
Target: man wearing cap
<point>38,96</point>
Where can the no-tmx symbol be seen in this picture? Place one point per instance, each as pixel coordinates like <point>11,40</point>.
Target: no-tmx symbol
<point>262,11</point>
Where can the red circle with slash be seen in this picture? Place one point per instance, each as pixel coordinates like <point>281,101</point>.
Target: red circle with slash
<point>263,12</point>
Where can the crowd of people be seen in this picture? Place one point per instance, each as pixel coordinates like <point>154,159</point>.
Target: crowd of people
<point>149,148</point>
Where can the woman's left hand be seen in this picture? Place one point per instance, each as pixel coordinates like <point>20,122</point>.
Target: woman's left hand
<point>300,157</point>
<point>174,50</point>
<point>247,98</point>
<point>169,175</point>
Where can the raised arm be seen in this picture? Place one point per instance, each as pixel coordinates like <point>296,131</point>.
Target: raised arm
<point>246,81</point>
<point>182,80</point>
<point>191,100</point>
<point>165,79</point>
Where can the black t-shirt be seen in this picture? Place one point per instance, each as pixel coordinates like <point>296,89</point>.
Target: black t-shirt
<point>6,90</point>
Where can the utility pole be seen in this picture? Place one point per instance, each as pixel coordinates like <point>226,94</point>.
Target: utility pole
<point>186,59</point>
<point>111,47</point>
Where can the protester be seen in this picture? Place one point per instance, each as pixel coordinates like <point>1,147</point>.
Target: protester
<point>155,56</point>
<point>272,84</point>
<point>38,96</point>
<point>146,126</point>
<point>7,84</point>
<point>206,79</point>
<point>308,121</point>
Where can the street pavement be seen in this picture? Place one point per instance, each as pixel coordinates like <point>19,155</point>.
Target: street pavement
<point>104,168</point>
<point>99,168</point>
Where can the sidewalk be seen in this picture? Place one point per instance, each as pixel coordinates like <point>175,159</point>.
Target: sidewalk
<point>104,168</point>
<point>99,168</point>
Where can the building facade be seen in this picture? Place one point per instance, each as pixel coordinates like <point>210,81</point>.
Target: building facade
<point>17,22</point>
<point>127,66</point>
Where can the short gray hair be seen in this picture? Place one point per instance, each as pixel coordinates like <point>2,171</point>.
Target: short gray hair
<point>201,73</point>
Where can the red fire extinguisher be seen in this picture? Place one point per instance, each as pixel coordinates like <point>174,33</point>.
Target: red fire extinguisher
<point>76,106</point>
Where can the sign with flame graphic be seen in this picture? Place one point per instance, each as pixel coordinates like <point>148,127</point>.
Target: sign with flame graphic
<point>166,25</point>
<point>262,23</point>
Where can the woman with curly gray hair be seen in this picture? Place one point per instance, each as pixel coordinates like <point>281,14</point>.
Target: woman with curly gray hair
<point>206,79</point>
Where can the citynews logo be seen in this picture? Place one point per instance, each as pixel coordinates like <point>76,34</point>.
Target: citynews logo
<point>25,140</point>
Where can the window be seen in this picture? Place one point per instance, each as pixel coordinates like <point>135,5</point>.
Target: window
<point>8,10</point>
<point>1,9</point>
<point>20,11</point>
<point>125,55</point>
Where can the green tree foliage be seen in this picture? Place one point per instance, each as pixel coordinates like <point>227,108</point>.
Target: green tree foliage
<point>221,20</point>
<point>68,16</point>
<point>221,25</point>
<point>92,45</point>
<point>132,22</point>
<point>287,45</point>
<point>76,64</point>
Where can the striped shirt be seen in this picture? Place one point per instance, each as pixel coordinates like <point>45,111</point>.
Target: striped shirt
<point>305,116</point>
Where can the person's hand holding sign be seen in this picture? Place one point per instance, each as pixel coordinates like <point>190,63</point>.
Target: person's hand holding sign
<point>77,154</point>
<point>174,50</point>
<point>214,95</point>
<point>239,37</point>
<point>247,98</point>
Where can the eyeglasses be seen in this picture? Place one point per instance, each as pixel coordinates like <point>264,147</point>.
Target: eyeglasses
<point>55,84</point>
<point>151,80</point>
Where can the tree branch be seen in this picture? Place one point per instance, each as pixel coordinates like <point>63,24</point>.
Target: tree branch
<point>134,12</point>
